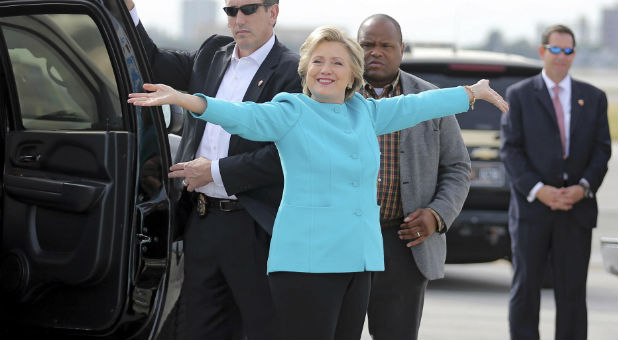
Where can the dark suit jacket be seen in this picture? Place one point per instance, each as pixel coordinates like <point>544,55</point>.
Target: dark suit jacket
<point>532,151</point>
<point>252,171</point>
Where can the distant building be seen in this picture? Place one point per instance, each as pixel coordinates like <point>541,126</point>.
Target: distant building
<point>197,15</point>
<point>583,32</point>
<point>292,37</point>
<point>609,29</point>
<point>199,21</point>
<point>539,29</point>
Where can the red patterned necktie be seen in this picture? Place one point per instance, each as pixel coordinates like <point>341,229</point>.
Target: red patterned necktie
<point>559,117</point>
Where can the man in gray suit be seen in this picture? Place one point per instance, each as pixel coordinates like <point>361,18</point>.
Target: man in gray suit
<point>424,176</point>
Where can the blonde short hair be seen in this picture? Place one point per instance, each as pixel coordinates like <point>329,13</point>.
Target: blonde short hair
<point>334,34</point>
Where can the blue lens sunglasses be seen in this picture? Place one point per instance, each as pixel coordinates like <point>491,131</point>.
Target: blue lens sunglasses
<point>557,50</point>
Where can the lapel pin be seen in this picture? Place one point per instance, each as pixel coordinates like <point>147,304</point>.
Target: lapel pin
<point>261,82</point>
<point>580,102</point>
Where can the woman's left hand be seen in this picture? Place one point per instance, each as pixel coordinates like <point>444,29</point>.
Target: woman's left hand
<point>482,91</point>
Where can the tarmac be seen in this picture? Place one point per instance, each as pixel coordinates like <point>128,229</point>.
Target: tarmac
<point>471,302</point>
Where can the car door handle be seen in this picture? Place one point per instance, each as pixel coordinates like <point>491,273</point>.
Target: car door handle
<point>64,195</point>
<point>29,158</point>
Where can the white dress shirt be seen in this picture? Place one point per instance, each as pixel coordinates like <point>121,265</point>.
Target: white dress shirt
<point>216,141</point>
<point>565,101</point>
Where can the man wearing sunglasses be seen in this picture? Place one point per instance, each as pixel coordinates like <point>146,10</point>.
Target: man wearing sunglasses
<point>555,147</point>
<point>232,187</point>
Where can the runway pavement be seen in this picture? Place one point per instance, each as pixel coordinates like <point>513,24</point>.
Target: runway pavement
<point>472,301</point>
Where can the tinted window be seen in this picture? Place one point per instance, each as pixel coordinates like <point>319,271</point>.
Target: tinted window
<point>485,116</point>
<point>63,74</point>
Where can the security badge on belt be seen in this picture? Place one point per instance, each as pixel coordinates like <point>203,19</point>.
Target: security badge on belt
<point>202,205</point>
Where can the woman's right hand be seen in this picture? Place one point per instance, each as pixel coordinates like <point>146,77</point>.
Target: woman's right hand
<point>482,91</point>
<point>161,94</point>
<point>158,94</point>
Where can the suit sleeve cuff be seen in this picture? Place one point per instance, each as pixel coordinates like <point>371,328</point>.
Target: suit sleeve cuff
<point>134,15</point>
<point>532,195</point>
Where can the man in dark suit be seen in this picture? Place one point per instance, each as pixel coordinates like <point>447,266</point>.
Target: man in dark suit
<point>225,292</point>
<point>424,176</point>
<point>555,146</point>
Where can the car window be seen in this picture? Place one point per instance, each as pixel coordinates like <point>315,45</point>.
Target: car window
<point>63,74</point>
<point>484,116</point>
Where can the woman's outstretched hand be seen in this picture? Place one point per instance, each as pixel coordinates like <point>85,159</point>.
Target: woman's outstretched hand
<point>482,91</point>
<point>160,94</point>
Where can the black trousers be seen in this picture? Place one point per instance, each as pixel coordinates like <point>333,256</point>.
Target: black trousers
<point>569,245</point>
<point>398,293</point>
<point>225,293</point>
<point>321,306</point>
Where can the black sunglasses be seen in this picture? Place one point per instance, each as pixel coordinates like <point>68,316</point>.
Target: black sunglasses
<point>557,50</point>
<point>249,9</point>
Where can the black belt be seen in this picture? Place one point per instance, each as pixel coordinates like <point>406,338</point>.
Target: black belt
<point>205,203</point>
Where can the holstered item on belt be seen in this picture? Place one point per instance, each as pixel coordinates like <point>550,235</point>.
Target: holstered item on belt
<point>201,205</point>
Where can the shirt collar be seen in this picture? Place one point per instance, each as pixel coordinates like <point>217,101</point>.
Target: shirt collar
<point>565,83</point>
<point>388,88</point>
<point>258,55</point>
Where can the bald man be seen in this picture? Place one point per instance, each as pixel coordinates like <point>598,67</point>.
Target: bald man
<point>424,177</point>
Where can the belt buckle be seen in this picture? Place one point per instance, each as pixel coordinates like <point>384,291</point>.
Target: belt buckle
<point>202,206</point>
<point>222,208</point>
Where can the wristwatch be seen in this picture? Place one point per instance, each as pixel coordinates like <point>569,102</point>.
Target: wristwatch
<point>587,192</point>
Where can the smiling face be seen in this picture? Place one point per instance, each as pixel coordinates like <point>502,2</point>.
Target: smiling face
<point>329,72</point>
<point>383,49</point>
<point>557,65</point>
<point>251,31</point>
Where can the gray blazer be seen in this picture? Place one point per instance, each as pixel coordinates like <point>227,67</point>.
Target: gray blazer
<point>435,173</point>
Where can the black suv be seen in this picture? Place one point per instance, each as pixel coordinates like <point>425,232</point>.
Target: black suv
<point>87,221</point>
<point>480,233</point>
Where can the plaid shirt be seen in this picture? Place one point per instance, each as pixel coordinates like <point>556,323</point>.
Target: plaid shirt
<point>389,193</point>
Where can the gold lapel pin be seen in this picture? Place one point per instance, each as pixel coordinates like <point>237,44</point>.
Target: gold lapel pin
<point>580,102</point>
<point>261,82</point>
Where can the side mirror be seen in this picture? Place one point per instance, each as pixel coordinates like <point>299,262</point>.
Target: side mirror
<point>174,117</point>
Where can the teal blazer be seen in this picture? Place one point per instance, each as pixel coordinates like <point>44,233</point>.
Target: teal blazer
<point>328,220</point>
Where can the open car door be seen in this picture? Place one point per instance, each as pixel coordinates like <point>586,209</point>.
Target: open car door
<point>86,217</point>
